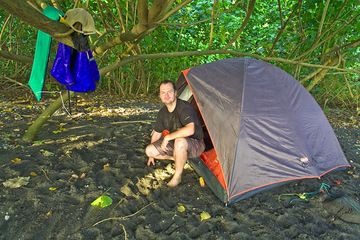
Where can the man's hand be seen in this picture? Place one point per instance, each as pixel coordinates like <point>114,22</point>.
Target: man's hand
<point>151,161</point>
<point>164,144</point>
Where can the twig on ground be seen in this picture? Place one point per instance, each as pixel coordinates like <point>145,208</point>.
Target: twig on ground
<point>138,121</point>
<point>45,174</point>
<point>123,199</point>
<point>125,235</point>
<point>122,218</point>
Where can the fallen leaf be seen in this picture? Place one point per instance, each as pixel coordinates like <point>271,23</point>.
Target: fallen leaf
<point>127,191</point>
<point>202,182</point>
<point>33,174</point>
<point>74,176</point>
<point>106,167</point>
<point>46,153</point>
<point>204,216</point>
<point>39,142</point>
<point>49,213</point>
<point>181,208</point>
<point>16,160</point>
<point>102,201</point>
<point>16,182</point>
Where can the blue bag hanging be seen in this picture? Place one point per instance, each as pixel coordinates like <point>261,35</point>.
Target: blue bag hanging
<point>85,72</point>
<point>78,71</point>
<point>63,61</point>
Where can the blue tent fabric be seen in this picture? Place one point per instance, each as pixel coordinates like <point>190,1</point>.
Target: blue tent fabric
<point>76,70</point>
<point>265,127</point>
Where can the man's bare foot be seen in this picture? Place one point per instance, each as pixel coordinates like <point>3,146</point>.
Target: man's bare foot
<point>174,181</point>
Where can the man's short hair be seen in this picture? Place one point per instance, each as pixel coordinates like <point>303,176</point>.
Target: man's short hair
<point>168,82</point>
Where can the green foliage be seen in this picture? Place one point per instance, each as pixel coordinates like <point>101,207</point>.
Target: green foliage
<point>296,32</point>
<point>15,37</point>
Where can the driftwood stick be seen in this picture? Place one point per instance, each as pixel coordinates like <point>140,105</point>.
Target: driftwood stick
<point>124,217</point>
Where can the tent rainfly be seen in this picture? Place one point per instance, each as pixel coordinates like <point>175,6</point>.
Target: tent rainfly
<point>262,128</point>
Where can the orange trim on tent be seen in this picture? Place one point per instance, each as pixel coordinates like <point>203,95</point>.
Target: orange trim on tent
<point>185,72</point>
<point>209,158</point>
<point>218,168</point>
<point>286,180</point>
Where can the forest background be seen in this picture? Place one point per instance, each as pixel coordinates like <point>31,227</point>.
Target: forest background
<point>139,43</point>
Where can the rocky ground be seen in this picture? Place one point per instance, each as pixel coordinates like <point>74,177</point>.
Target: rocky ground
<point>99,150</point>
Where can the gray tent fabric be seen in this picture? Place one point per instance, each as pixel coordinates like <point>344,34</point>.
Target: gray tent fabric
<point>265,127</point>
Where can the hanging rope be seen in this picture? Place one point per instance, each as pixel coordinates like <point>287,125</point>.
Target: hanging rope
<point>62,101</point>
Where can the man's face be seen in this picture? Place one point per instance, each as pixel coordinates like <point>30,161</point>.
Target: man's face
<point>167,93</point>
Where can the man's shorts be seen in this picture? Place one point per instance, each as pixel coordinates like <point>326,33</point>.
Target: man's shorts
<point>195,147</point>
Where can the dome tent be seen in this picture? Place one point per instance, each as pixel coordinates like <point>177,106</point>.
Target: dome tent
<point>262,128</point>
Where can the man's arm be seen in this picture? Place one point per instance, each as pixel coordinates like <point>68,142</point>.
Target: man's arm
<point>186,131</point>
<point>155,136</point>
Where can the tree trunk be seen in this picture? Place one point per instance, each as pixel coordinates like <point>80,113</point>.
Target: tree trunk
<point>321,74</point>
<point>35,127</point>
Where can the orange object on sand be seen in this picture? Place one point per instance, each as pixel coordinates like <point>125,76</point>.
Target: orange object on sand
<point>210,159</point>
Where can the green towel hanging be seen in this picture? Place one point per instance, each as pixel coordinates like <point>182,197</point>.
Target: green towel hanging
<point>41,56</point>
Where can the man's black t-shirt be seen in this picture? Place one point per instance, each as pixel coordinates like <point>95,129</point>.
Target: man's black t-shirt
<point>182,115</point>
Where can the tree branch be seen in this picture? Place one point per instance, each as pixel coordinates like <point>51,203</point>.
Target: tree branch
<point>124,61</point>
<point>314,73</point>
<point>18,58</point>
<point>282,29</point>
<point>31,16</point>
<point>120,16</point>
<point>280,13</point>
<point>16,82</point>
<point>347,82</point>
<point>322,19</point>
<point>156,10</point>
<point>244,23</point>
<point>352,44</point>
<point>334,61</point>
<point>339,11</point>
<point>102,17</point>
<point>174,10</point>
<point>184,24</point>
<point>4,26</point>
<point>313,47</point>
<point>212,23</point>
<point>143,12</point>
<point>129,36</point>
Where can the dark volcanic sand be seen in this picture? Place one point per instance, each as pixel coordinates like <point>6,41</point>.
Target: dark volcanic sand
<point>66,169</point>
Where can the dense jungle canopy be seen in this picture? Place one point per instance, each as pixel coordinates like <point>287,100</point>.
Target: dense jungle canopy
<point>139,43</point>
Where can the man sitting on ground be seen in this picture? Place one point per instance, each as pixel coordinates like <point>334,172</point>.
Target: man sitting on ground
<point>177,132</point>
